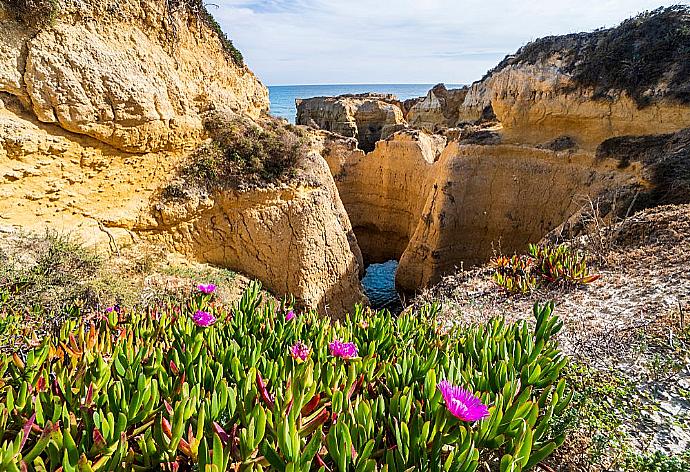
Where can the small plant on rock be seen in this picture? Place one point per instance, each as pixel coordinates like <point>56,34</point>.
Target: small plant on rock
<point>543,265</point>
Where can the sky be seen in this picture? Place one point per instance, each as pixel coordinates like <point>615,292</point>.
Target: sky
<point>289,42</point>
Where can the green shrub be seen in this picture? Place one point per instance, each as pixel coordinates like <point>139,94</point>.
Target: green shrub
<point>51,270</point>
<point>149,389</point>
<point>544,265</point>
<point>241,154</point>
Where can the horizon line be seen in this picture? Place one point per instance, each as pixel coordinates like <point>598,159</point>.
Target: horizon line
<point>364,83</point>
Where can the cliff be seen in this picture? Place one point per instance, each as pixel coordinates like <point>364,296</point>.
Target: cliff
<point>592,117</point>
<point>104,104</point>
<point>627,80</point>
<point>435,207</point>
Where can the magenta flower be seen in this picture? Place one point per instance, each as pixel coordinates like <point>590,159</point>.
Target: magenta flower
<point>206,288</point>
<point>461,403</point>
<point>343,350</point>
<point>203,318</point>
<point>290,315</point>
<point>300,351</point>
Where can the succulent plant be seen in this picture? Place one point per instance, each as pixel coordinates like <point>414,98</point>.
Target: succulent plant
<point>152,389</point>
<point>544,265</point>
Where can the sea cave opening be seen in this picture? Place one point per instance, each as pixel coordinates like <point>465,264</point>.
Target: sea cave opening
<point>379,286</point>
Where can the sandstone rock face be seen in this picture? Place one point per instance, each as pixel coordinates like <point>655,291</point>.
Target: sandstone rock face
<point>436,207</point>
<point>102,106</point>
<point>438,110</point>
<point>106,69</point>
<point>295,239</point>
<point>366,117</point>
<point>384,191</point>
<point>501,197</point>
<point>538,103</point>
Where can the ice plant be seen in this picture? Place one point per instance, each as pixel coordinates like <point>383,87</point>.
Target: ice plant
<point>461,403</point>
<point>342,350</point>
<point>206,288</point>
<point>203,318</point>
<point>300,351</point>
<point>290,315</point>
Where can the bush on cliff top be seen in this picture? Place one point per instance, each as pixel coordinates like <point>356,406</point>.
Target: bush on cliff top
<point>645,56</point>
<point>200,387</point>
<point>198,8</point>
<point>241,154</point>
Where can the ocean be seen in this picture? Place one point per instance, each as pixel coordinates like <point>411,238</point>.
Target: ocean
<point>283,96</point>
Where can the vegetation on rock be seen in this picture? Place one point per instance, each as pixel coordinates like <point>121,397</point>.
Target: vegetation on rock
<point>199,9</point>
<point>645,56</point>
<point>201,385</point>
<point>542,266</point>
<point>241,153</point>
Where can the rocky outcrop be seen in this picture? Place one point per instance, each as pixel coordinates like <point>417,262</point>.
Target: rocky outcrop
<point>384,191</point>
<point>629,80</point>
<point>102,105</point>
<point>296,239</point>
<point>484,199</point>
<point>127,73</point>
<point>366,117</point>
<point>538,103</point>
<point>435,207</point>
<point>438,110</point>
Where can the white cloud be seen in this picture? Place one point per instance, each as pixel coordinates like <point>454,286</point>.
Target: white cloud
<point>400,41</point>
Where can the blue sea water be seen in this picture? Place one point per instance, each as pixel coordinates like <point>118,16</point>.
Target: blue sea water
<point>379,286</point>
<point>283,96</point>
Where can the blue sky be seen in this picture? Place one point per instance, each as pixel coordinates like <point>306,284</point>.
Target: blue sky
<point>400,41</point>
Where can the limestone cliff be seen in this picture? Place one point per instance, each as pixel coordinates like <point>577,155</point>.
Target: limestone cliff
<point>127,73</point>
<point>499,198</point>
<point>366,117</point>
<point>436,207</point>
<point>102,102</point>
<point>384,191</point>
<point>627,80</point>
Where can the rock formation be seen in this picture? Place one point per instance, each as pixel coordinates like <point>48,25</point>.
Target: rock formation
<point>384,191</point>
<point>628,80</point>
<point>435,208</point>
<point>439,109</point>
<point>102,102</point>
<point>551,128</point>
<point>366,117</point>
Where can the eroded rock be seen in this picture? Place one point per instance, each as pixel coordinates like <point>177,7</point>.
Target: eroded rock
<point>365,117</point>
<point>108,70</point>
<point>102,107</point>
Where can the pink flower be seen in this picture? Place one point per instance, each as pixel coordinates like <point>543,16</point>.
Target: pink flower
<point>290,315</point>
<point>206,288</point>
<point>343,350</point>
<point>300,351</point>
<point>461,403</point>
<point>203,318</point>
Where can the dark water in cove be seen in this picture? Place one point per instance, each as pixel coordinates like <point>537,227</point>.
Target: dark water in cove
<point>283,96</point>
<point>379,286</point>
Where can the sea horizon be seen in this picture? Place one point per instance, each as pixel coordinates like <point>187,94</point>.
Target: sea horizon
<point>282,97</point>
